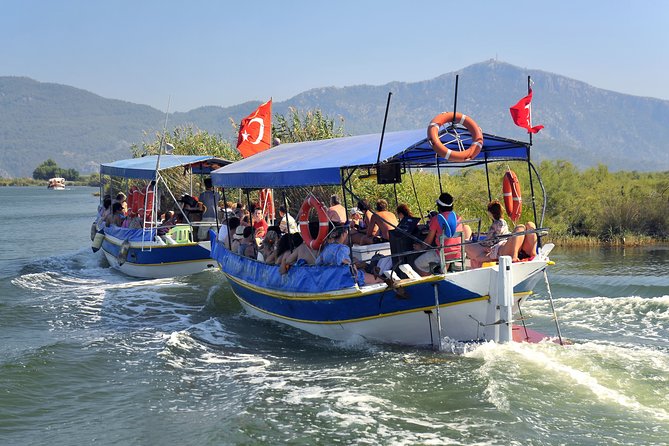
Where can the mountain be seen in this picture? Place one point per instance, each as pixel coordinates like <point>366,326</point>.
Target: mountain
<point>583,124</point>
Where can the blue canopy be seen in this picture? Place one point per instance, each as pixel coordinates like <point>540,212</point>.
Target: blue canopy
<point>320,162</point>
<point>145,167</point>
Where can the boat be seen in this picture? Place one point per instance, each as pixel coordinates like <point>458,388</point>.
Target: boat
<point>149,250</point>
<point>56,183</point>
<point>468,304</point>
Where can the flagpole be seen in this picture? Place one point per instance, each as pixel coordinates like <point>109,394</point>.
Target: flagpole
<point>529,88</point>
<point>529,165</point>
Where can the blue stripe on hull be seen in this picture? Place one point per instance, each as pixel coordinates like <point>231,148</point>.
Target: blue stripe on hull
<point>361,306</point>
<point>161,254</point>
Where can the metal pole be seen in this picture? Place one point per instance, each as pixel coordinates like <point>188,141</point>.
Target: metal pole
<point>436,306</point>
<point>383,130</point>
<point>550,298</point>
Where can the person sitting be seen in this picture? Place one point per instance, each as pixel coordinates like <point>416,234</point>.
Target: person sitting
<point>445,222</point>
<point>247,245</point>
<point>336,252</point>
<point>382,222</point>
<point>286,244</point>
<point>518,247</point>
<point>237,237</point>
<point>286,221</point>
<point>336,212</point>
<point>259,223</point>
<point>116,217</point>
<point>408,222</point>
<point>489,244</point>
<point>121,198</point>
<point>358,234</point>
<point>355,218</point>
<point>105,212</point>
<point>301,252</point>
<point>268,246</point>
<point>226,232</point>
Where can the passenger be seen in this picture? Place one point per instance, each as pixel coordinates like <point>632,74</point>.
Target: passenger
<point>407,222</point>
<point>287,243</point>
<point>237,237</point>
<point>209,199</point>
<point>336,212</point>
<point>121,198</point>
<point>106,211</point>
<point>259,223</point>
<point>229,228</point>
<point>380,225</point>
<point>191,207</point>
<point>518,247</point>
<point>268,247</point>
<point>336,252</point>
<point>436,228</point>
<point>116,217</point>
<point>355,218</point>
<point>301,252</point>
<point>247,245</point>
<point>358,235</point>
<point>286,223</point>
<point>135,220</point>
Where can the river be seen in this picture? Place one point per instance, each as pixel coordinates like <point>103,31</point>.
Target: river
<point>88,355</point>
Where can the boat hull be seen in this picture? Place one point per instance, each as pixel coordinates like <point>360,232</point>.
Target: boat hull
<point>407,314</point>
<point>153,261</point>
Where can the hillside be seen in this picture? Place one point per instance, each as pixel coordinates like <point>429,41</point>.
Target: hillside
<point>584,124</point>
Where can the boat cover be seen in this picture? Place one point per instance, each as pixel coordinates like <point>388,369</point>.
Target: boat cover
<point>298,279</point>
<point>131,235</point>
<point>145,167</point>
<point>320,162</point>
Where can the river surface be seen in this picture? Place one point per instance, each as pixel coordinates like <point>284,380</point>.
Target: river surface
<point>88,355</point>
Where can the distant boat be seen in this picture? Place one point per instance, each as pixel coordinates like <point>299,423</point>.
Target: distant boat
<point>56,183</point>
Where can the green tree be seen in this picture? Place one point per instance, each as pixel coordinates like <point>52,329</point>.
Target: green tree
<point>187,140</point>
<point>313,125</point>
<point>48,169</point>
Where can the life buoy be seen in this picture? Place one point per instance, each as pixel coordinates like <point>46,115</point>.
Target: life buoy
<point>312,202</point>
<point>443,151</point>
<point>513,201</point>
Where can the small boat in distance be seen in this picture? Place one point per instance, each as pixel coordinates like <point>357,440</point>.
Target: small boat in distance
<point>56,183</point>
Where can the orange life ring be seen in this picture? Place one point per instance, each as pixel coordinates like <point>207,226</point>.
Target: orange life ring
<point>513,201</point>
<point>303,220</point>
<point>443,151</point>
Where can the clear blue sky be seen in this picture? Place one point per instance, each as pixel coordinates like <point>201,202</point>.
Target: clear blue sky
<point>206,52</point>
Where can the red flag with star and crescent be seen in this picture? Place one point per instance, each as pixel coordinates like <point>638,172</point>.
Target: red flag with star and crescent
<point>255,131</point>
<point>521,113</point>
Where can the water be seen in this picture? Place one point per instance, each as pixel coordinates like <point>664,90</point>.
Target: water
<point>88,355</point>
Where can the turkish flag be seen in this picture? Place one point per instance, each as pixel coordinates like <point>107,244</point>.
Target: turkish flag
<point>255,131</point>
<point>521,113</point>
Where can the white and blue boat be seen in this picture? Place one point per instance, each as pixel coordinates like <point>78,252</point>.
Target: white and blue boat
<point>150,251</point>
<point>466,305</point>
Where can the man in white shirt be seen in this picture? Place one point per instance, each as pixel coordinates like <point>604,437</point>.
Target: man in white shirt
<point>285,216</point>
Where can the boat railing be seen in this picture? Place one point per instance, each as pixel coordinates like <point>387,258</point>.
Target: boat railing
<point>462,245</point>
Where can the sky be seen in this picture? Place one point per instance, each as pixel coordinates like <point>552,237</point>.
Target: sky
<point>196,53</point>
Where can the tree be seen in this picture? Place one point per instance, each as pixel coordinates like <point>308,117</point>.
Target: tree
<point>49,169</point>
<point>312,126</point>
<point>188,140</point>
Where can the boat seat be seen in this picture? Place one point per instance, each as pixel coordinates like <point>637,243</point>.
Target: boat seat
<point>181,234</point>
